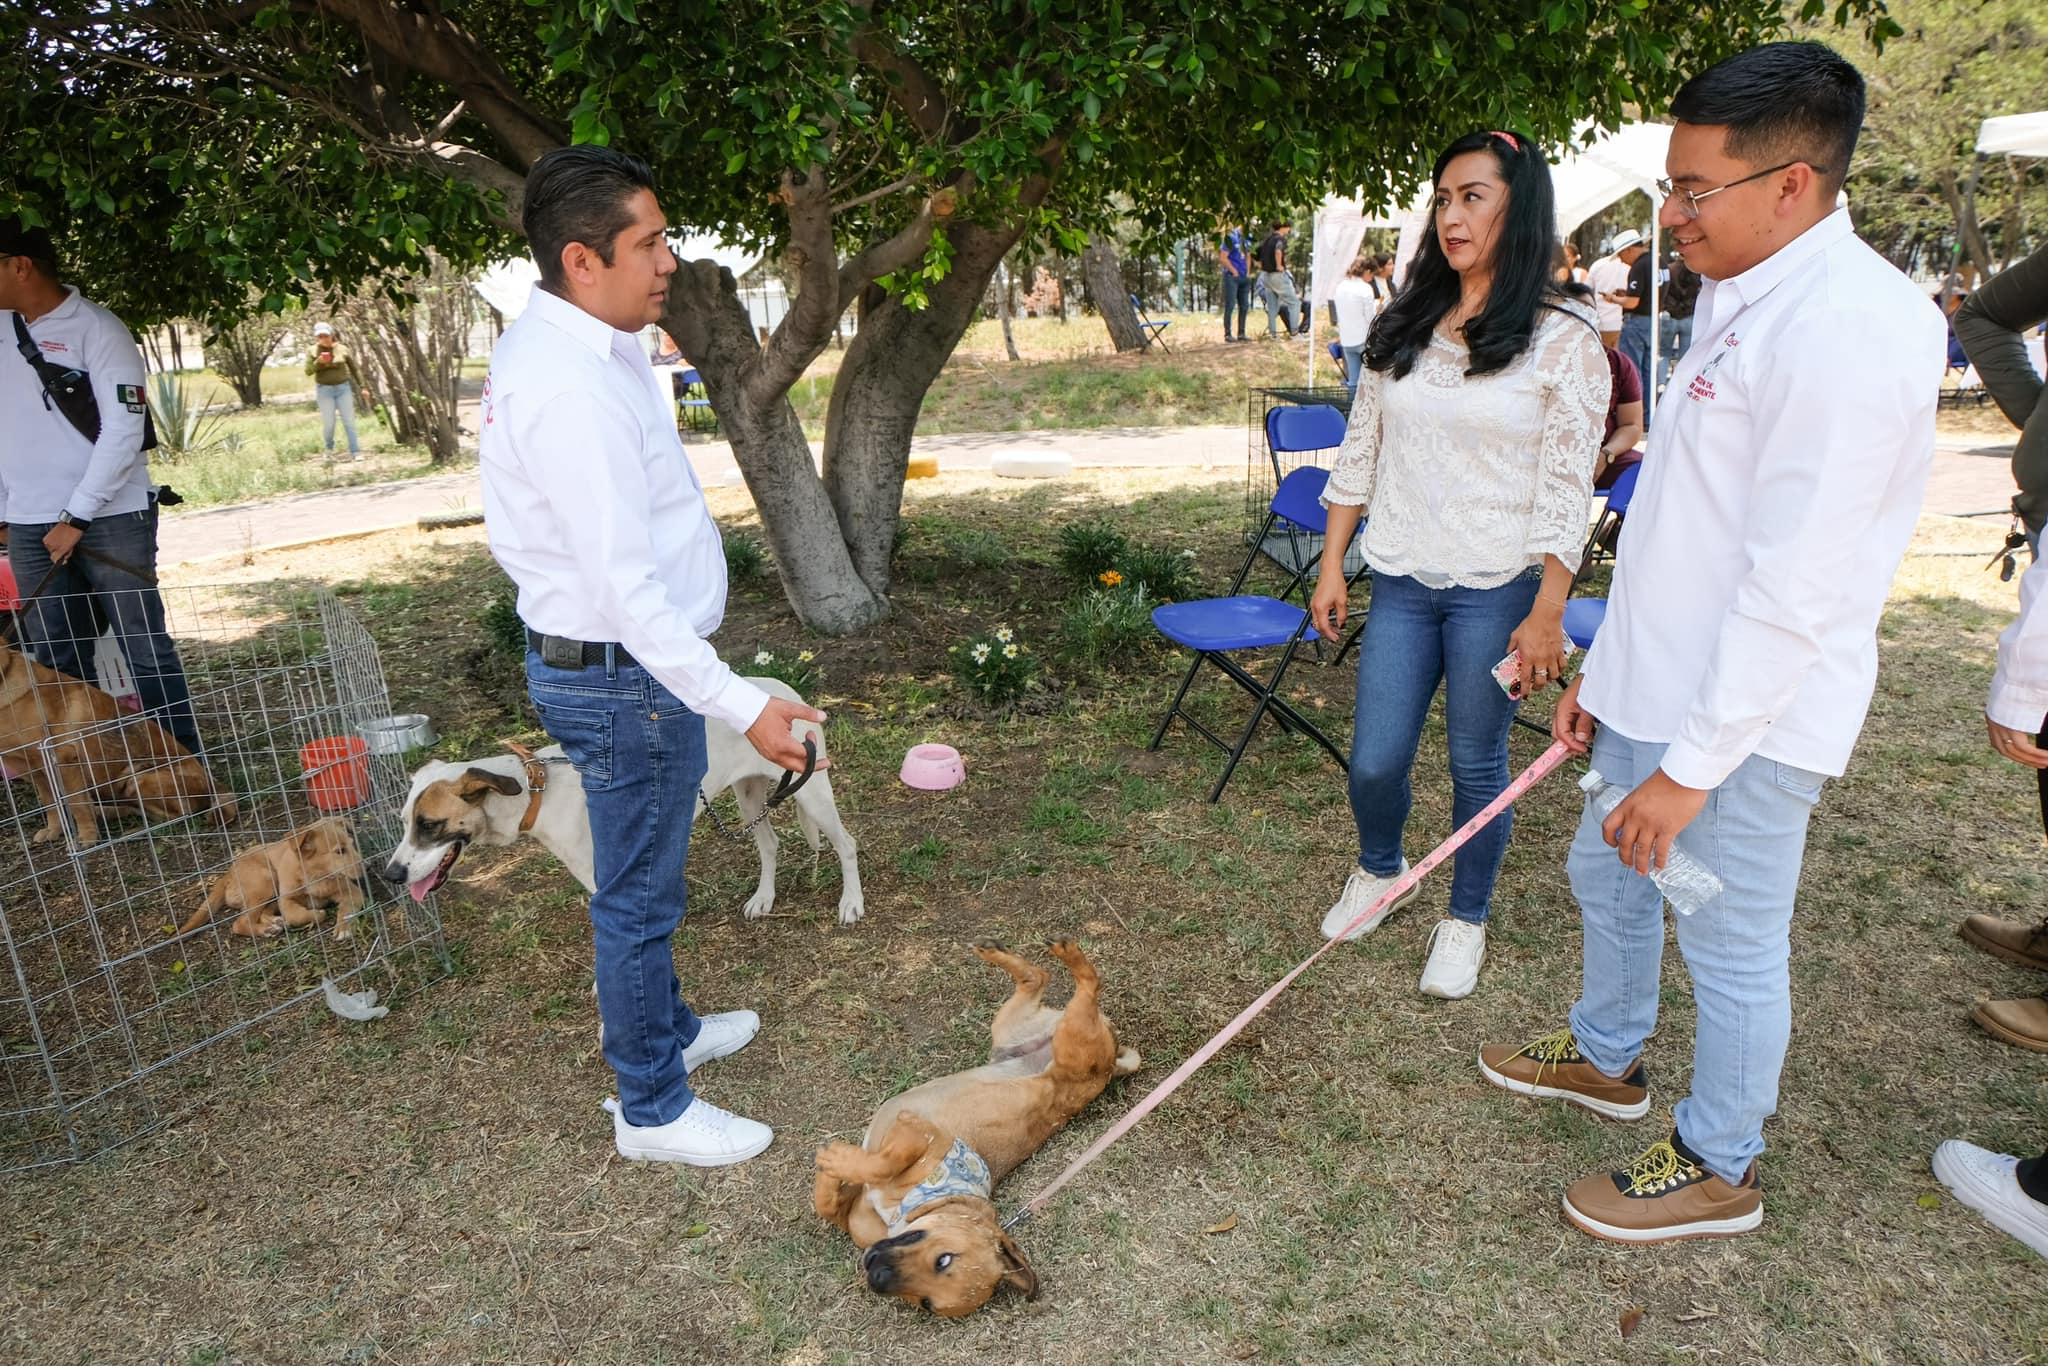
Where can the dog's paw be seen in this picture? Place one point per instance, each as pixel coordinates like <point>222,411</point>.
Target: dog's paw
<point>46,834</point>
<point>837,1158</point>
<point>1066,950</point>
<point>342,932</point>
<point>758,905</point>
<point>271,928</point>
<point>851,909</point>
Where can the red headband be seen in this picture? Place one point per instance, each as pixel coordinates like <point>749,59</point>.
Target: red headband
<point>1508,138</point>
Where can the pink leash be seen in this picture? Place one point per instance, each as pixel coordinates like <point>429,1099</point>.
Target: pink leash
<point>1528,778</point>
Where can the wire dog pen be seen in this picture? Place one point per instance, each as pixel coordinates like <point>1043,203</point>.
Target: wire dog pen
<point>115,1019</point>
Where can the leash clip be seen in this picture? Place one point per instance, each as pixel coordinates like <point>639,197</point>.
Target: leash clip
<point>790,784</point>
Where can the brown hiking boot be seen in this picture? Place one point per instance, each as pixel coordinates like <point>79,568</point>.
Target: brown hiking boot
<point>2023,1022</point>
<point>1553,1067</point>
<point>1663,1196</point>
<point>2008,939</point>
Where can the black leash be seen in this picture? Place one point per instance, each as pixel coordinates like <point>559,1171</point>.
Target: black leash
<point>790,785</point>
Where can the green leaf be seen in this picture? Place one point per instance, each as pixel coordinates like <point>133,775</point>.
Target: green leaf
<point>736,163</point>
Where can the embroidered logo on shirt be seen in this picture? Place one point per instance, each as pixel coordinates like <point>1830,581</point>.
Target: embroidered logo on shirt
<point>1701,390</point>
<point>488,413</point>
<point>129,396</point>
<point>59,347</point>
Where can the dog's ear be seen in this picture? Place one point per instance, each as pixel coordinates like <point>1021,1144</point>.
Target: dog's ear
<point>478,783</point>
<point>1018,1274</point>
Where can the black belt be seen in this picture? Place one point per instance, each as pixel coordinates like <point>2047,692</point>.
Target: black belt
<point>592,651</point>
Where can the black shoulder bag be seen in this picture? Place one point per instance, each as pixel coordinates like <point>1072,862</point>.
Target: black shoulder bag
<point>69,390</point>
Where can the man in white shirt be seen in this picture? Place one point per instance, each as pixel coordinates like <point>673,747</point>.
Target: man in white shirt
<point>1739,652</point>
<point>593,510</point>
<point>1609,276</point>
<point>1356,304</point>
<point>79,511</point>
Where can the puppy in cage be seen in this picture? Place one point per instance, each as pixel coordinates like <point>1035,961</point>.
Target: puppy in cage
<point>101,756</point>
<point>289,883</point>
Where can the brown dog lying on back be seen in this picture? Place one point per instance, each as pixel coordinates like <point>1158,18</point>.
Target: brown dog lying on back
<point>105,757</point>
<point>916,1194</point>
<point>289,882</point>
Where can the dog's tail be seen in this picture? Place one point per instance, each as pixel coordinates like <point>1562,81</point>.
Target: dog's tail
<point>216,901</point>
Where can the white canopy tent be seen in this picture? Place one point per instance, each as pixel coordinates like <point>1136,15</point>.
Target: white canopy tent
<point>1340,230</point>
<point>2019,135</point>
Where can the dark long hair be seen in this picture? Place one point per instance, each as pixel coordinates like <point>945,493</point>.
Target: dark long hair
<point>1522,283</point>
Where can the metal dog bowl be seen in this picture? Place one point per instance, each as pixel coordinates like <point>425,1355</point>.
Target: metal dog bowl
<point>397,734</point>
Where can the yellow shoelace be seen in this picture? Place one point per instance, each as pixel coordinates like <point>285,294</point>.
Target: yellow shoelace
<point>1552,1049</point>
<point>1660,1167</point>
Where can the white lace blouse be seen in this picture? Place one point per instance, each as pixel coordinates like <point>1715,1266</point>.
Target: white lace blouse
<point>1470,480</point>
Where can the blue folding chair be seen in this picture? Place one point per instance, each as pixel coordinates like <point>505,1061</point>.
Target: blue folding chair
<point>1216,628</point>
<point>1154,332</point>
<point>1619,495</point>
<point>1582,618</point>
<point>693,402</point>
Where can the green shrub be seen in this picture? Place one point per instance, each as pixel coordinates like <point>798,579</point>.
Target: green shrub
<point>1106,626</point>
<point>994,666</point>
<point>744,555</point>
<point>1088,549</point>
<point>795,668</point>
<point>977,551</point>
<point>1167,575</point>
<point>502,626</point>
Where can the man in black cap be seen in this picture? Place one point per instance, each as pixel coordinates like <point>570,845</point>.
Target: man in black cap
<point>76,503</point>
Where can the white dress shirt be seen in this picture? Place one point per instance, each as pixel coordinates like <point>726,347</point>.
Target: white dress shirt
<point>1468,480</point>
<point>1355,306</point>
<point>592,507</point>
<point>1607,273</point>
<point>46,467</point>
<point>1779,489</point>
<point>2019,689</point>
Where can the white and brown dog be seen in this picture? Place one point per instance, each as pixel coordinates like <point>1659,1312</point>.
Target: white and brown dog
<point>496,800</point>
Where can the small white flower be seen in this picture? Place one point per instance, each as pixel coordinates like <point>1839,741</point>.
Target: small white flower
<point>1187,554</point>
<point>806,656</point>
<point>764,657</point>
<point>1009,652</point>
<point>981,653</point>
<point>1003,634</point>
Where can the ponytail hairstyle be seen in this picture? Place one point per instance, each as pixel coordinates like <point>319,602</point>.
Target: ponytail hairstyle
<point>1524,245</point>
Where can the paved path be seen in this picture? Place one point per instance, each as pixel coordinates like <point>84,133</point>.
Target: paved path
<point>1972,476</point>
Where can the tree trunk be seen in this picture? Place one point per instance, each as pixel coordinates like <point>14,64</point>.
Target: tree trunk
<point>1059,296</point>
<point>1961,196</point>
<point>1105,278</point>
<point>1003,310</point>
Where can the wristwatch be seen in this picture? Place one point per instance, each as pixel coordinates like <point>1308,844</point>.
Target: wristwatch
<point>79,524</point>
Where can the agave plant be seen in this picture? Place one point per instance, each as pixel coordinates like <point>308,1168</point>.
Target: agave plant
<point>182,427</point>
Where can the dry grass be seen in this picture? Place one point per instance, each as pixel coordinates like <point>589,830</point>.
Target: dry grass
<point>437,1187</point>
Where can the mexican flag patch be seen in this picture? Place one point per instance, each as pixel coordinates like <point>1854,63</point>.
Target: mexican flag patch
<point>129,395</point>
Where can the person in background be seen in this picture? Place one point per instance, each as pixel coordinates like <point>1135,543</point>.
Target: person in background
<point>1235,263</point>
<point>1470,456</point>
<point>1281,300</point>
<point>1738,655</point>
<point>1991,325</point>
<point>78,514</point>
<point>333,368</point>
<point>1678,298</point>
<point>1355,305</point>
<point>1608,279</point>
<point>1621,445</point>
<point>2012,1194</point>
<point>1636,318</point>
<point>1565,266</point>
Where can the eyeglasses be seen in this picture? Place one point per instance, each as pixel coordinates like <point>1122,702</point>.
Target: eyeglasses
<point>1689,200</point>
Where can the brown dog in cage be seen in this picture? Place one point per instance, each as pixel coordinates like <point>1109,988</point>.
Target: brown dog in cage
<point>289,882</point>
<point>104,756</point>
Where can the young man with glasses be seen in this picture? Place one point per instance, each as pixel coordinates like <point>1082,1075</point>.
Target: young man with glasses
<point>1731,675</point>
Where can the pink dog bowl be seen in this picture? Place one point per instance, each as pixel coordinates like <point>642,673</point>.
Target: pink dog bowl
<point>933,768</point>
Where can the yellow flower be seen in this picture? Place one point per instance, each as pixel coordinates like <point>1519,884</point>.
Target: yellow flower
<point>1110,578</point>
<point>806,657</point>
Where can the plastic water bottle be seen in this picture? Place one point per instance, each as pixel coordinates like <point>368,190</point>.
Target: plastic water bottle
<point>1686,883</point>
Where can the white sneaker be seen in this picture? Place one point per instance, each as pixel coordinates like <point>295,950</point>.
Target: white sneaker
<point>701,1136</point>
<point>717,1035</point>
<point>1361,890</point>
<point>1984,1181</point>
<point>1456,949</point>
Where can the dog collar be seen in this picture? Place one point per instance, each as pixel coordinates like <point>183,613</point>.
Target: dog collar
<point>536,783</point>
<point>961,1172</point>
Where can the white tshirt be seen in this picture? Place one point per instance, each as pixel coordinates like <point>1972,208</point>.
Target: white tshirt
<point>1355,306</point>
<point>592,508</point>
<point>46,467</point>
<point>1781,483</point>
<point>1607,273</point>
<point>1468,481</point>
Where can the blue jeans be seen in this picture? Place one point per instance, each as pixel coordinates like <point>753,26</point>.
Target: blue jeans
<point>1635,344</point>
<point>1416,637</point>
<point>1675,341</point>
<point>641,756</point>
<point>88,596</point>
<point>1237,296</point>
<point>1752,832</point>
<point>337,398</point>
<point>1354,361</point>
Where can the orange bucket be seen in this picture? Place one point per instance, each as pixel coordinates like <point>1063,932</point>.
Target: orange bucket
<point>337,772</point>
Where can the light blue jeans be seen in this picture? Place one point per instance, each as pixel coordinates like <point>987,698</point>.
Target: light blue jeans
<point>1354,361</point>
<point>337,398</point>
<point>1416,637</point>
<point>1635,344</point>
<point>1752,833</point>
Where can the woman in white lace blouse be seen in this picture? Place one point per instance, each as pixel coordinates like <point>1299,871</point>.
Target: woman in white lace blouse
<point>1471,447</point>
